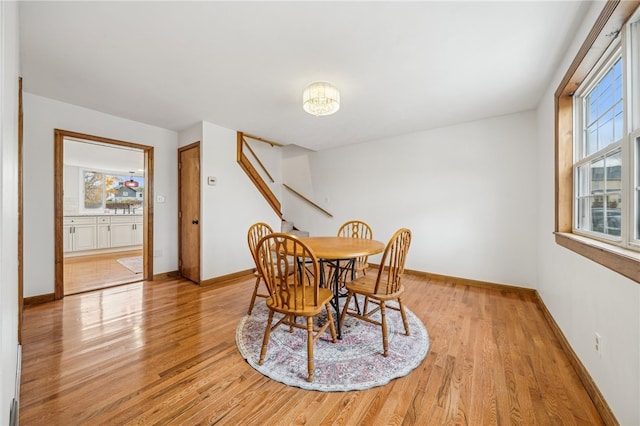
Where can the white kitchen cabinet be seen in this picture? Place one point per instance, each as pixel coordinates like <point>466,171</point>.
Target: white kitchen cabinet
<point>137,230</point>
<point>101,232</point>
<point>79,233</point>
<point>126,230</point>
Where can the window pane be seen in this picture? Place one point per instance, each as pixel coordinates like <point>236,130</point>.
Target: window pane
<point>93,190</point>
<point>592,140</point>
<point>597,213</point>
<point>604,111</point>
<point>612,213</point>
<point>613,188</point>
<point>605,130</point>
<point>583,180</point>
<point>124,193</point>
<point>583,214</point>
<point>613,163</point>
<point>618,122</point>
<point>599,194</point>
<point>597,176</point>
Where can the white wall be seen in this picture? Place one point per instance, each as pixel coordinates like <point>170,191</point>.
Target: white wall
<point>41,117</point>
<point>467,192</point>
<point>582,296</point>
<point>9,73</point>
<point>232,206</point>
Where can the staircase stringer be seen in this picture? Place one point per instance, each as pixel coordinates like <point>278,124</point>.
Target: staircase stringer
<point>253,174</point>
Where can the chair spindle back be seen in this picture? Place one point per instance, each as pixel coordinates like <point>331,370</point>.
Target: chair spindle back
<point>355,229</point>
<point>256,232</point>
<point>290,270</point>
<point>392,263</point>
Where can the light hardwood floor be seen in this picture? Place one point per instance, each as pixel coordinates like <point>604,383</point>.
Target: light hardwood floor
<point>93,272</point>
<point>164,353</point>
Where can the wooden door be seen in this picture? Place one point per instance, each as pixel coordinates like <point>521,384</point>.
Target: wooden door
<point>189,211</point>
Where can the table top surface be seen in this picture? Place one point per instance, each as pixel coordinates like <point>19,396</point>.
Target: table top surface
<point>333,248</point>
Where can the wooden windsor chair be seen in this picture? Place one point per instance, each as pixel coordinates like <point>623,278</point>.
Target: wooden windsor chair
<point>350,270</point>
<point>256,232</point>
<point>295,290</point>
<point>386,286</point>
<point>357,229</point>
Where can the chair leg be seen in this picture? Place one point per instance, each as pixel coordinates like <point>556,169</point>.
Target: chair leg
<point>404,317</point>
<point>332,326</point>
<point>344,309</point>
<point>265,340</point>
<point>366,306</point>
<point>310,348</point>
<point>253,296</point>
<point>385,339</point>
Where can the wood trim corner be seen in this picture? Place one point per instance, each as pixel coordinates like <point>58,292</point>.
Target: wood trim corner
<point>40,299</point>
<point>166,276</point>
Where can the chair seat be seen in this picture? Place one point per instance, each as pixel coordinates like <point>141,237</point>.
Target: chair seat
<point>366,286</point>
<point>324,296</point>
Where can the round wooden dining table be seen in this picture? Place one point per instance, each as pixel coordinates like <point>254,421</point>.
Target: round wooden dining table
<point>337,250</point>
<point>342,248</point>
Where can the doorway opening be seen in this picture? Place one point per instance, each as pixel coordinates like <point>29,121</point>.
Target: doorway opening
<point>103,214</point>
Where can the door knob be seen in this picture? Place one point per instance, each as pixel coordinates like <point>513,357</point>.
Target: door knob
<point>194,221</point>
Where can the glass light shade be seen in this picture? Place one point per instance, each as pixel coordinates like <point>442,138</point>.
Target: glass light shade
<point>131,183</point>
<point>321,99</point>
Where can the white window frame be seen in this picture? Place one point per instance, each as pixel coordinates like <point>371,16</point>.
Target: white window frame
<point>616,51</point>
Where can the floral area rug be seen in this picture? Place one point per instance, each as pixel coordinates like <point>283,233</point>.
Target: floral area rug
<point>353,363</point>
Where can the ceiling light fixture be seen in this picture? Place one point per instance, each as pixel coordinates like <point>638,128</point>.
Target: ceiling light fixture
<point>321,99</point>
<point>131,183</point>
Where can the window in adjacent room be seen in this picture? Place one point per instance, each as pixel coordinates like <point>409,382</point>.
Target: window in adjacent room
<point>106,192</point>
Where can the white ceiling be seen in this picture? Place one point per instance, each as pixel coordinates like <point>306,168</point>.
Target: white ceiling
<point>401,67</point>
<point>103,158</point>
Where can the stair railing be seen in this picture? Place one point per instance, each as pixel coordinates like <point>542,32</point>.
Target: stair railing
<point>253,174</point>
<point>256,177</point>
<point>307,200</point>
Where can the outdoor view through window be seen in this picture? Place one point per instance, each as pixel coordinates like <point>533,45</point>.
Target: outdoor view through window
<point>598,190</point>
<point>113,194</point>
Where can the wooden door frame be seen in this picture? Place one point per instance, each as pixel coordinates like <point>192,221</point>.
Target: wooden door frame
<point>20,212</point>
<point>58,192</point>
<point>180,150</point>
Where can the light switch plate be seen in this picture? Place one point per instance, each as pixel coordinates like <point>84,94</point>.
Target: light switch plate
<point>212,180</point>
